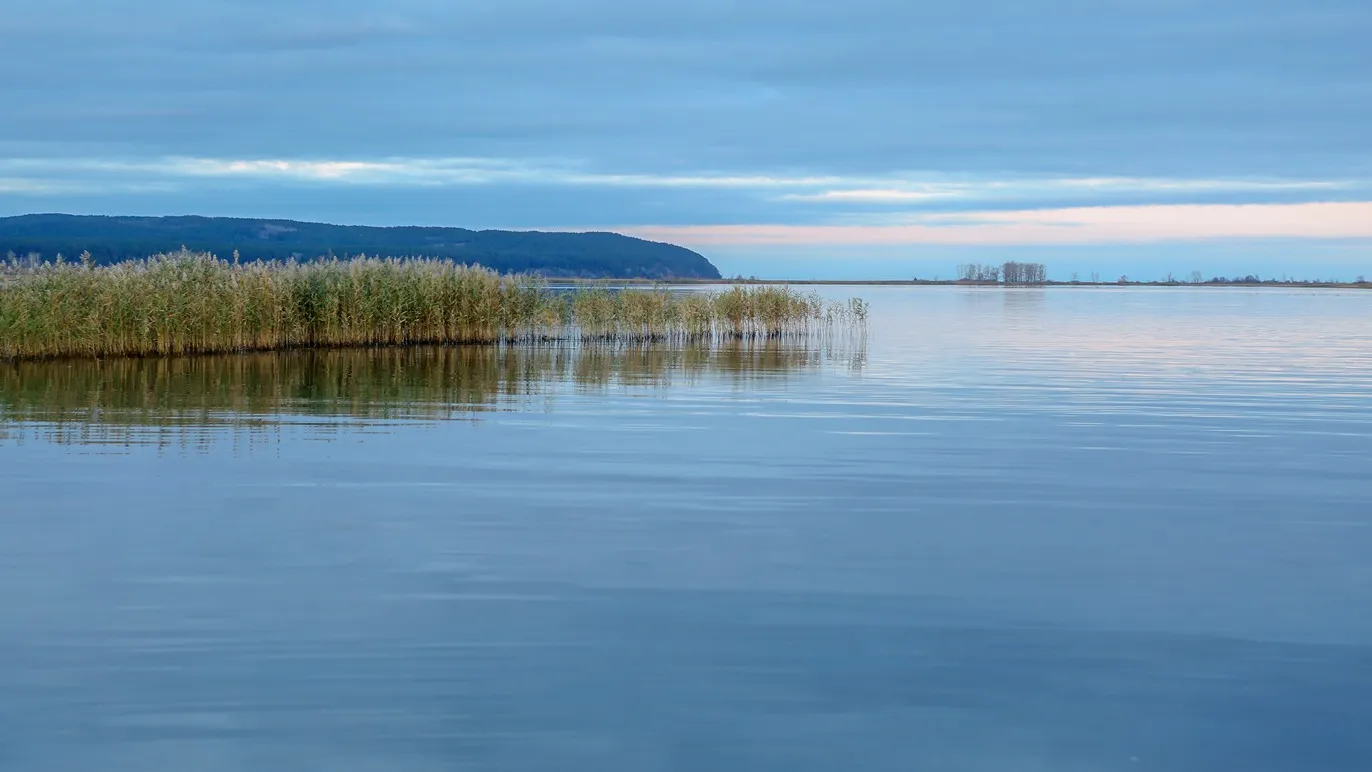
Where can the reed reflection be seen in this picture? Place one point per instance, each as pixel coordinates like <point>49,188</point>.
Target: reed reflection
<point>163,400</point>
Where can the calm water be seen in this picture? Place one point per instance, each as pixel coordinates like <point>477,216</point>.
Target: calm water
<point>1056,530</point>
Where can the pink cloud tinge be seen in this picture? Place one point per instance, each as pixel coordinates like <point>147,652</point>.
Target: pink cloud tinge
<point>1081,225</point>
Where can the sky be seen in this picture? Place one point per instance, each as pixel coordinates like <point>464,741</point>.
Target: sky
<point>780,138</point>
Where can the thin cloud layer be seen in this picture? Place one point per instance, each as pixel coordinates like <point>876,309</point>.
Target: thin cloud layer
<point>1213,88</point>
<point>1083,225</point>
<point>890,189</point>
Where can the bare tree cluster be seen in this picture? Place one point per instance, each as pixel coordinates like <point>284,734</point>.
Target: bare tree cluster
<point>1024,273</point>
<point>979,272</point>
<point>1010,273</point>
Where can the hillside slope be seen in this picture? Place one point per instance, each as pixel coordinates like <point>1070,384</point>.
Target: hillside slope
<point>111,239</point>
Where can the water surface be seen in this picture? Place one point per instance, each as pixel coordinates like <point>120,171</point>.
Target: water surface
<point>1063,529</point>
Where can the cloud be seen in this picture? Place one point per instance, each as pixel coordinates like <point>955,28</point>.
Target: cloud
<point>1083,225</point>
<point>892,188</point>
<point>1040,187</point>
<point>29,186</point>
<point>878,195</point>
<point>466,171</point>
<point>772,88</point>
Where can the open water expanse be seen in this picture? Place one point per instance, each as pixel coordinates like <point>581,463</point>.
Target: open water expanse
<point>1061,530</point>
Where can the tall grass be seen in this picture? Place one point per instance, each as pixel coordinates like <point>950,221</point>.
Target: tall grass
<point>187,302</point>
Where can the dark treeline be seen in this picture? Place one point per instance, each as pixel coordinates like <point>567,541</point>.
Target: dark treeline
<point>1197,277</point>
<point>1251,279</point>
<point>1036,274</point>
<point>33,238</point>
<point>1009,273</point>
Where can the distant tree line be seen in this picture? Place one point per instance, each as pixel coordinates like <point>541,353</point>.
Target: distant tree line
<point>1196,277</point>
<point>114,239</point>
<point>1251,279</point>
<point>1010,273</point>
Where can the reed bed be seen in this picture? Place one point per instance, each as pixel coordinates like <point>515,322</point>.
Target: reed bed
<point>195,303</point>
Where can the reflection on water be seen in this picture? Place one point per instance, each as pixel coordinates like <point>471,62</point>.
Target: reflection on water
<point>1113,530</point>
<point>162,400</point>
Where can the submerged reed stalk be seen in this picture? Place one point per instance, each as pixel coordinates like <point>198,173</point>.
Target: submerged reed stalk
<point>188,302</point>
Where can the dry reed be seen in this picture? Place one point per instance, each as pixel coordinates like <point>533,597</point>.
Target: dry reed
<point>186,302</point>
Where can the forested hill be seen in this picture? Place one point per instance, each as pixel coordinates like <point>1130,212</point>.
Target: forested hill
<point>111,239</point>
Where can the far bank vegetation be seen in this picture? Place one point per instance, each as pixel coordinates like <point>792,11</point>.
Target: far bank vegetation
<point>1010,273</point>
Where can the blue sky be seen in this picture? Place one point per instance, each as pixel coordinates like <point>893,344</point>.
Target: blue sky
<point>793,139</point>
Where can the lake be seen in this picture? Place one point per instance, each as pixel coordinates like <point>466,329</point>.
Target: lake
<point>1066,530</point>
